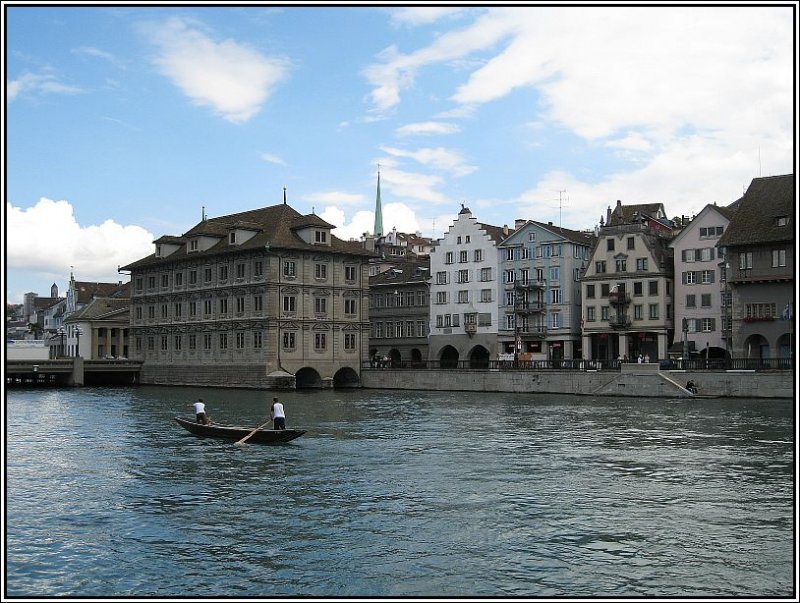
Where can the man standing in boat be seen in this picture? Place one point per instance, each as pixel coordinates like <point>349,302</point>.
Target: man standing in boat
<point>200,412</point>
<point>278,415</point>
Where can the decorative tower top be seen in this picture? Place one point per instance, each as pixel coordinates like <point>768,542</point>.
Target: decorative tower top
<point>378,228</point>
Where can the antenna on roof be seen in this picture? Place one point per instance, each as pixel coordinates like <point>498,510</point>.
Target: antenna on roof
<point>560,205</point>
<point>759,162</point>
<point>284,195</point>
<point>203,213</point>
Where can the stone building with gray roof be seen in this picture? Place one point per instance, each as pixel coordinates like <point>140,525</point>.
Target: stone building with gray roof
<point>627,288</point>
<point>540,309</point>
<point>262,298</point>
<point>759,250</point>
<point>400,312</point>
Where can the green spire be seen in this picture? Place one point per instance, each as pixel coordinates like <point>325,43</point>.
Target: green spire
<point>378,229</point>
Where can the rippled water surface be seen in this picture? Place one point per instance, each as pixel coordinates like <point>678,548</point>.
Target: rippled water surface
<point>398,494</point>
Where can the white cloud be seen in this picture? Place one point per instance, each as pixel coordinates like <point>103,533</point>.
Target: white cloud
<point>411,186</point>
<point>232,78</point>
<point>91,51</point>
<point>422,15</point>
<point>727,67</point>
<point>395,71</point>
<point>36,84</point>
<point>686,96</point>
<point>395,215</point>
<point>633,141</point>
<point>439,158</point>
<point>47,239</point>
<point>270,158</point>
<point>427,127</point>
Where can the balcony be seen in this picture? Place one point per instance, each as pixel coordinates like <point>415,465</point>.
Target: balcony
<point>470,328</point>
<point>535,331</point>
<point>620,321</point>
<point>531,284</point>
<point>619,298</point>
<point>526,285</point>
<point>529,307</point>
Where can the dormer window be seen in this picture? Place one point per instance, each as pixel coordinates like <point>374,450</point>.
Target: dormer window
<point>232,238</point>
<point>193,245</point>
<point>320,236</point>
<point>158,251</point>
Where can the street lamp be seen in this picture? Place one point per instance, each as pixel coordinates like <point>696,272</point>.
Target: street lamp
<point>62,333</point>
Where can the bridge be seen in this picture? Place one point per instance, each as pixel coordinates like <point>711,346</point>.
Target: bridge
<point>72,371</point>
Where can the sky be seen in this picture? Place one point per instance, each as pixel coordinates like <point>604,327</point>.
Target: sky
<point>126,123</point>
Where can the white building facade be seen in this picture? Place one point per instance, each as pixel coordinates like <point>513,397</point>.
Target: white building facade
<point>464,293</point>
<point>700,292</point>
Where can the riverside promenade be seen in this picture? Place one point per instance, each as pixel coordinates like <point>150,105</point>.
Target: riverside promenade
<point>620,379</point>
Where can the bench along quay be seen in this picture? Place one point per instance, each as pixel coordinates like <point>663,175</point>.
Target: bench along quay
<point>72,371</point>
<point>724,378</point>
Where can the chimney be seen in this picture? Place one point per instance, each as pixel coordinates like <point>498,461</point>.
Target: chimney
<point>505,229</point>
<point>608,215</point>
<point>549,223</point>
<point>519,223</point>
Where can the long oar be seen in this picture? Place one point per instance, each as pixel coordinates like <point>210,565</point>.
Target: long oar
<point>249,435</point>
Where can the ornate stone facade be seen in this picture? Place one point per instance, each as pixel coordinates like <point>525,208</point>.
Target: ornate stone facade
<point>265,298</point>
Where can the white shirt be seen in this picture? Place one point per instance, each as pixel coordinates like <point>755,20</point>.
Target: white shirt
<point>277,410</point>
<point>199,407</point>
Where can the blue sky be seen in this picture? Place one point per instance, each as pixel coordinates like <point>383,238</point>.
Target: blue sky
<point>123,122</point>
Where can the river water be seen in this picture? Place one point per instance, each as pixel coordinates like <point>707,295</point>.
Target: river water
<point>398,494</point>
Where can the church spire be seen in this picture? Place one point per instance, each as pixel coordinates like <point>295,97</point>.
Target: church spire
<point>378,229</point>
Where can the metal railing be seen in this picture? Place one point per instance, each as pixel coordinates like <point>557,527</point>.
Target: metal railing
<point>693,364</point>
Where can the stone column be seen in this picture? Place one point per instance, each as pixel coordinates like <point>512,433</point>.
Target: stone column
<point>623,344</point>
<point>662,345</point>
<point>587,347</point>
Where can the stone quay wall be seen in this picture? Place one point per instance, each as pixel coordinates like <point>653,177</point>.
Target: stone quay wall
<point>633,380</point>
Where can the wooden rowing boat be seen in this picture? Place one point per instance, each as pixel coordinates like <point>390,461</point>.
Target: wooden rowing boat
<point>231,432</point>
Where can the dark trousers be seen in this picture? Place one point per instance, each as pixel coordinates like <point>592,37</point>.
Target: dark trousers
<point>279,423</point>
<point>202,418</point>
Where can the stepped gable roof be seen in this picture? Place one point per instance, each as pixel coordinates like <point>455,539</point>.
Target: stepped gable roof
<point>628,214</point>
<point>755,222</point>
<point>101,308</point>
<point>87,291</point>
<point>276,225</point>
